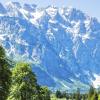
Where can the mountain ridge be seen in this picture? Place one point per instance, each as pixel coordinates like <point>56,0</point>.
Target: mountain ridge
<point>63,44</point>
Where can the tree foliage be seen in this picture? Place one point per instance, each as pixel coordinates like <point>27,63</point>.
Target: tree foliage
<point>93,95</point>
<point>24,83</point>
<point>44,93</point>
<point>78,96</point>
<point>4,75</point>
<point>58,94</point>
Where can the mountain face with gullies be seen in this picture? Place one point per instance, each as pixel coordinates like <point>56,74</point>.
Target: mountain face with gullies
<point>62,44</point>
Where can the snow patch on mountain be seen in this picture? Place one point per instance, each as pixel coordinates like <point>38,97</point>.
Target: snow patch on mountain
<point>96,82</point>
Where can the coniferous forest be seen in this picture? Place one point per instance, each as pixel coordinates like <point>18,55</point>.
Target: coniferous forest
<point>18,82</point>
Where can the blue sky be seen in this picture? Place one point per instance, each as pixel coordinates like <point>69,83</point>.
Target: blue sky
<point>91,7</point>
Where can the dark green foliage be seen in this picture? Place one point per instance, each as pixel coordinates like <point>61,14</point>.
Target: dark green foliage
<point>78,96</point>
<point>58,94</point>
<point>95,96</point>
<point>91,95</point>
<point>91,92</point>
<point>44,93</point>
<point>62,94</point>
<point>67,96</point>
<point>2,53</point>
<point>4,75</point>
<point>84,96</point>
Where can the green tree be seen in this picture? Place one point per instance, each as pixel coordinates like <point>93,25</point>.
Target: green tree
<point>58,94</point>
<point>84,96</point>
<point>78,96</point>
<point>91,92</point>
<point>67,96</point>
<point>5,74</point>
<point>44,93</point>
<point>24,83</point>
<point>95,96</point>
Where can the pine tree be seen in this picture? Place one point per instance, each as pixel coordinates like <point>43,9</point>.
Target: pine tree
<point>84,96</point>
<point>95,96</point>
<point>24,83</point>
<point>4,75</point>
<point>78,97</point>
<point>67,96</point>
<point>91,92</point>
<point>58,94</point>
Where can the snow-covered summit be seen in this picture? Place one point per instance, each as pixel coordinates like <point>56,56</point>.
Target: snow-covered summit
<point>12,5</point>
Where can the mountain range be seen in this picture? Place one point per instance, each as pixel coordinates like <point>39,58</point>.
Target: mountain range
<point>61,44</point>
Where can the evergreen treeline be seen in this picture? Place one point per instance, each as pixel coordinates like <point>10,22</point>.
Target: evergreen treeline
<point>19,82</point>
<point>93,94</point>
